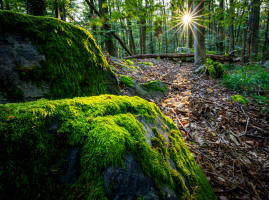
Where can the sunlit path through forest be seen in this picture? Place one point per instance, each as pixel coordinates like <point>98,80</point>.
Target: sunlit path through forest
<point>134,99</point>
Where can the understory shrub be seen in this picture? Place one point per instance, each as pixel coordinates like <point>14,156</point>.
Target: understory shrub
<point>248,80</point>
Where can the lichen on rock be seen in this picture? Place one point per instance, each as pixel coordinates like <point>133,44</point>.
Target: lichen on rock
<point>51,59</point>
<point>99,137</point>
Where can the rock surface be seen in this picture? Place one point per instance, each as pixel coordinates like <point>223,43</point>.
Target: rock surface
<point>45,57</point>
<point>101,147</point>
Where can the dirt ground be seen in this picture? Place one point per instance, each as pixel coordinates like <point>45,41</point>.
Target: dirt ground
<point>229,141</point>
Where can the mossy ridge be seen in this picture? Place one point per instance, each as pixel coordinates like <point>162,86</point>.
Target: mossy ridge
<point>106,128</point>
<point>72,55</point>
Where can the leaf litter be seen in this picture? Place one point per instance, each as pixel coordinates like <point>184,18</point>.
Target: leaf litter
<point>230,142</point>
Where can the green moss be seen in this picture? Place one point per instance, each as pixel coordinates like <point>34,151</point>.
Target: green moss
<point>74,66</point>
<point>155,85</point>
<point>146,63</point>
<point>104,128</point>
<point>239,99</point>
<point>215,69</point>
<point>127,80</point>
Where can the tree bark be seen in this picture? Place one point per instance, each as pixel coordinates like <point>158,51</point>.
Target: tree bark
<point>57,9</point>
<point>254,20</point>
<point>265,51</point>
<point>36,7</point>
<point>199,38</point>
<point>231,27</point>
<point>103,10</point>
<point>1,5</point>
<point>143,35</point>
<point>221,29</point>
<point>131,38</point>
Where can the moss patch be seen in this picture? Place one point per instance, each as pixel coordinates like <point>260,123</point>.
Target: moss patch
<point>104,129</point>
<point>239,99</point>
<point>215,69</point>
<point>127,80</point>
<point>74,65</point>
<point>155,85</point>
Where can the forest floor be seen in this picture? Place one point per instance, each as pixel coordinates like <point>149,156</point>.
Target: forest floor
<point>230,142</point>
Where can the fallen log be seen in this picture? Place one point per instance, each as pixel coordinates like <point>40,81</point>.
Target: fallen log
<point>184,55</point>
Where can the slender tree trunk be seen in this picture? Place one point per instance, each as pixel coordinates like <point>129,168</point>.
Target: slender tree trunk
<point>243,52</point>
<point>1,5</point>
<point>231,27</point>
<point>36,7</point>
<point>63,11</point>
<point>199,38</point>
<point>103,9</point>
<point>131,38</point>
<point>221,29</point>
<point>7,5</point>
<point>57,9</point>
<point>143,36</point>
<point>254,20</point>
<point>265,51</point>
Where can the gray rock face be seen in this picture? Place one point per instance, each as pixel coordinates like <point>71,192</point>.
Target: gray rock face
<point>17,58</point>
<point>128,183</point>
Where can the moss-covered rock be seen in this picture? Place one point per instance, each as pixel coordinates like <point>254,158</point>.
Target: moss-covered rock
<point>214,69</point>
<point>127,81</point>
<point>83,148</point>
<point>46,57</point>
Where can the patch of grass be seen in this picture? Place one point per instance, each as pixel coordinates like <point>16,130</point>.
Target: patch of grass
<point>251,79</point>
<point>127,80</point>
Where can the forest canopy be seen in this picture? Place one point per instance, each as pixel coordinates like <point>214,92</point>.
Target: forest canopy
<point>129,27</point>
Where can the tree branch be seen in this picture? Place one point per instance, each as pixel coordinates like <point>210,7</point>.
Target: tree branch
<point>108,26</point>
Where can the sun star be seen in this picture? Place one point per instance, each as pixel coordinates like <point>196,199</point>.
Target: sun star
<point>187,18</point>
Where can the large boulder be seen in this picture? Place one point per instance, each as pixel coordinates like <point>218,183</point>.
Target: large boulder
<point>46,57</point>
<point>101,147</point>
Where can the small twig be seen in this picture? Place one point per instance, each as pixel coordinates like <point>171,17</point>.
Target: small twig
<point>246,128</point>
<point>227,191</point>
<point>179,122</point>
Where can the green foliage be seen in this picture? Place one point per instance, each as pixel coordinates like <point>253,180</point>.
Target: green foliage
<point>127,80</point>
<point>155,85</point>
<point>249,79</point>
<point>74,66</point>
<point>104,129</point>
<point>215,69</point>
<point>239,99</point>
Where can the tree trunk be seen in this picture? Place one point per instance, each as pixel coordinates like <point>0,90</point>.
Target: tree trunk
<point>57,9</point>
<point>103,10</point>
<point>254,20</point>
<point>63,11</point>
<point>143,36</point>
<point>7,5</point>
<point>231,27</point>
<point>1,5</point>
<point>131,38</point>
<point>199,38</point>
<point>265,51</point>
<point>36,7</point>
<point>221,29</point>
